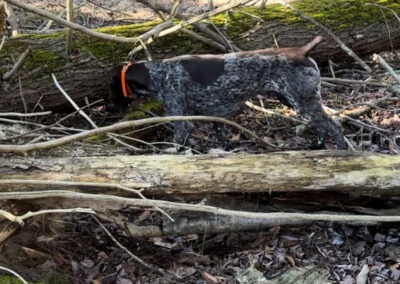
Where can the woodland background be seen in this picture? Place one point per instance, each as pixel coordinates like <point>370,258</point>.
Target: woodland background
<point>91,193</point>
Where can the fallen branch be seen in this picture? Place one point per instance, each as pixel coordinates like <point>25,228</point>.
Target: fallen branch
<point>23,149</point>
<point>342,171</point>
<point>195,207</point>
<point>17,114</point>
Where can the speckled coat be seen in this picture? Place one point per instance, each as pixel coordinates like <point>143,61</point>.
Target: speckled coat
<point>218,85</point>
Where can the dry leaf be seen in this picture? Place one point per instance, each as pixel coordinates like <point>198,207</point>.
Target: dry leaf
<point>209,278</point>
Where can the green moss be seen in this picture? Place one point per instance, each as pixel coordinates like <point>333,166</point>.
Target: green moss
<point>150,105</point>
<point>52,278</point>
<point>336,15</point>
<point>96,138</point>
<point>47,60</point>
<point>11,280</point>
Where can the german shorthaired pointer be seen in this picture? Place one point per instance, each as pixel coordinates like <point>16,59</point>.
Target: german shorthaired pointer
<point>218,85</point>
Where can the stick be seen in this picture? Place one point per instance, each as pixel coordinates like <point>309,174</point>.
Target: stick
<point>20,219</point>
<point>70,15</point>
<point>160,30</point>
<point>3,40</point>
<point>23,149</point>
<point>17,114</point>
<point>17,65</point>
<point>139,260</point>
<point>81,112</point>
<point>384,64</point>
<point>87,31</point>
<point>195,207</point>
<point>13,273</point>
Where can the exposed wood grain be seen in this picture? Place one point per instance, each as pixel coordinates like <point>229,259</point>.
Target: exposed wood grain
<point>356,173</point>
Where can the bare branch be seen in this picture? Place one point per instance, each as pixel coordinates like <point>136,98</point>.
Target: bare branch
<point>17,65</point>
<point>384,64</point>
<point>23,149</point>
<point>195,207</point>
<point>160,30</point>
<point>17,114</point>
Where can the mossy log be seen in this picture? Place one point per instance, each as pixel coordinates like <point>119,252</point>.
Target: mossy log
<point>85,72</point>
<point>356,173</point>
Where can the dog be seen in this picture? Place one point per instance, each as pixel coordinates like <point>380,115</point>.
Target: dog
<point>218,85</point>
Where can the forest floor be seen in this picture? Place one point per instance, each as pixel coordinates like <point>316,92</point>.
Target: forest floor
<point>75,248</point>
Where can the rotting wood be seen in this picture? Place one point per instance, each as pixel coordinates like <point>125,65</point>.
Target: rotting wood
<point>356,173</point>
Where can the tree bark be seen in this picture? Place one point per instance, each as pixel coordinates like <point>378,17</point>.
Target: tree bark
<point>85,73</point>
<point>356,173</point>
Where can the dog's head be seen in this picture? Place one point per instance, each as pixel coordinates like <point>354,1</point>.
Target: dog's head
<point>137,77</point>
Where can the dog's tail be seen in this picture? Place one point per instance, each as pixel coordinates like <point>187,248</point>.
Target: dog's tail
<point>311,45</point>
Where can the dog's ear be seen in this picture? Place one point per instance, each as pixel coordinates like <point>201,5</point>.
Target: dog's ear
<point>138,76</point>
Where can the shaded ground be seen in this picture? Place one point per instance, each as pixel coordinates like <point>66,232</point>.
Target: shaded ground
<point>75,249</point>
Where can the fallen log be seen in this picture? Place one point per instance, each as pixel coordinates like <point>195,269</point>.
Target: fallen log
<point>356,173</point>
<point>85,73</point>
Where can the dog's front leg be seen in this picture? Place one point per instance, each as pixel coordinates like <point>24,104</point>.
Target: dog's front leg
<point>175,105</point>
<point>303,94</point>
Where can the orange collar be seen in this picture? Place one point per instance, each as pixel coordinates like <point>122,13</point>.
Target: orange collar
<point>125,87</point>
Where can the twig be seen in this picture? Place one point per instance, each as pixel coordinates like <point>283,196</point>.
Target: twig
<point>17,114</point>
<point>386,8</point>
<point>227,40</point>
<point>195,207</point>
<point>174,9</point>
<point>17,65</point>
<point>358,82</point>
<point>330,33</point>
<point>13,218</point>
<point>160,30</point>
<point>44,127</point>
<point>184,30</point>
<point>23,149</point>
<point>356,121</point>
<point>84,30</point>
<point>20,219</point>
<point>81,112</point>
<point>267,111</point>
<point>13,273</point>
<point>139,260</point>
<point>384,64</point>
<point>3,40</point>
<point>262,4</point>
<point>70,15</point>
<point>21,94</point>
<point>139,192</point>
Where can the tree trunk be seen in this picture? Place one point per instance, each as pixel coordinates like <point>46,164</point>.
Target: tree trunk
<point>85,73</point>
<point>357,173</point>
